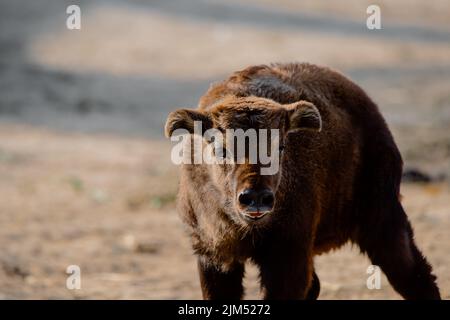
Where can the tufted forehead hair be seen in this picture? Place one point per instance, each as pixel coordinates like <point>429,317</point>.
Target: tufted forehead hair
<point>247,112</point>
<point>244,113</point>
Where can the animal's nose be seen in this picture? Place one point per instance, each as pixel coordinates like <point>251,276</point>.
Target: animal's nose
<point>256,200</point>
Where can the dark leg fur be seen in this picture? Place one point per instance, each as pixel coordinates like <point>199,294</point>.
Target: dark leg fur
<point>385,233</point>
<point>219,285</point>
<point>394,251</point>
<point>314,290</point>
<point>285,275</point>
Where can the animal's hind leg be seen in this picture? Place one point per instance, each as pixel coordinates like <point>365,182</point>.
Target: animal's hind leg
<point>314,289</point>
<point>390,245</point>
<point>384,231</point>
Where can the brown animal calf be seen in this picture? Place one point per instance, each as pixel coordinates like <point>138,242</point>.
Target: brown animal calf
<point>339,181</point>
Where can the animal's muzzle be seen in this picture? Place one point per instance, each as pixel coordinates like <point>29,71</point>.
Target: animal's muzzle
<point>256,203</point>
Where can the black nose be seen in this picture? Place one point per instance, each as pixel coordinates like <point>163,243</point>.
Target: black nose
<point>254,200</point>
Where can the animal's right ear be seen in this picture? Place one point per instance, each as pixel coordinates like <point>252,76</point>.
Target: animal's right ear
<point>304,115</point>
<point>186,119</point>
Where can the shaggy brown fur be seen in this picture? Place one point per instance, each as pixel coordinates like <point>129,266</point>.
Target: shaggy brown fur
<point>339,182</point>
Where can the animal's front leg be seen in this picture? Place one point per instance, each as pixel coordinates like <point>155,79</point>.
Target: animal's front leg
<point>286,274</point>
<point>220,284</point>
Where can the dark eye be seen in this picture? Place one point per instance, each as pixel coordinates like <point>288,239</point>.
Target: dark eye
<point>281,148</point>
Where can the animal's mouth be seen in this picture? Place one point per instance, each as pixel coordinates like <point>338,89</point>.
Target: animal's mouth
<point>254,215</point>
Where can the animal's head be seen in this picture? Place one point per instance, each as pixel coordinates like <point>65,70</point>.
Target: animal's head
<point>246,138</point>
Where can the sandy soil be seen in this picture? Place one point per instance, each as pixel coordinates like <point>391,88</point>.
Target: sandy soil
<point>106,204</point>
<point>86,177</point>
<point>411,12</point>
<point>132,50</point>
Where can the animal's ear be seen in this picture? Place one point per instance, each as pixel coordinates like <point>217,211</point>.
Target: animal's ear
<point>304,115</point>
<point>186,119</point>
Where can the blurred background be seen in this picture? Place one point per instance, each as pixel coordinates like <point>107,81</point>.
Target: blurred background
<point>85,172</point>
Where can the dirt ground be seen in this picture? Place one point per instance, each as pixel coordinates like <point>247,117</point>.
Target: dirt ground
<point>85,173</point>
<point>106,204</point>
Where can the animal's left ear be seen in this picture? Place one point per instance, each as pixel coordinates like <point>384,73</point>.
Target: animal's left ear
<point>304,115</point>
